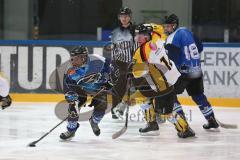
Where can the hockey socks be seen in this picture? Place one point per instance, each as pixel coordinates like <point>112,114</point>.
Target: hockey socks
<point>177,108</point>
<point>181,125</point>
<point>204,106</point>
<point>71,128</point>
<point>73,124</point>
<point>94,121</point>
<point>207,111</point>
<point>151,129</point>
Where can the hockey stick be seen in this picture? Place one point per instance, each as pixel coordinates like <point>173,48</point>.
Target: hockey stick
<point>227,126</point>
<point>124,129</point>
<point>33,144</point>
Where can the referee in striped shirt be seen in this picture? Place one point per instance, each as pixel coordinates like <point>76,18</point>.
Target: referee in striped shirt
<point>123,48</point>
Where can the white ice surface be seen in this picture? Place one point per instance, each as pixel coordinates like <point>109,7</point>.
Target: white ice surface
<point>25,122</point>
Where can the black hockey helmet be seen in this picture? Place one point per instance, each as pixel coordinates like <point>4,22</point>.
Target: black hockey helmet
<point>80,50</point>
<point>172,19</point>
<point>125,10</point>
<point>144,28</point>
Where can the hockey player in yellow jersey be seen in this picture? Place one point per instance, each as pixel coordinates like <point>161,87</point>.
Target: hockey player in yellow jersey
<point>154,76</point>
<point>158,31</point>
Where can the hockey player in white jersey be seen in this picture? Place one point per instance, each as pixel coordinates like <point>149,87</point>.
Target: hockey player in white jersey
<point>5,99</point>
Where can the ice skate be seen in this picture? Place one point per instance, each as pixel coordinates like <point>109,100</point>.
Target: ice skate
<point>118,111</point>
<point>188,133</point>
<point>212,123</point>
<point>151,129</point>
<point>68,135</point>
<point>95,128</point>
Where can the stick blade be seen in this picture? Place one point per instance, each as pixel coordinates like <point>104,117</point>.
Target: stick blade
<point>227,126</point>
<point>32,144</point>
<point>119,133</point>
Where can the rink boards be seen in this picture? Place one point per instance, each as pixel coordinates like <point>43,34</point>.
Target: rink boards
<point>29,66</point>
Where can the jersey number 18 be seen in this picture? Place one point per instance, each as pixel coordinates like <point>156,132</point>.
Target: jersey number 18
<point>191,51</point>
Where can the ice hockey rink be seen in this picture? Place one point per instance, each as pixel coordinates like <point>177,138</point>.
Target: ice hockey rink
<point>25,122</point>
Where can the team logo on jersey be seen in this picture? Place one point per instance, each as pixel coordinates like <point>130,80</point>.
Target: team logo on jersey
<point>71,71</point>
<point>90,78</point>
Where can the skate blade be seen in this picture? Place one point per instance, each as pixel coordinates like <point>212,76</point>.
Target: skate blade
<point>213,130</point>
<point>192,135</point>
<point>151,133</point>
<point>65,140</point>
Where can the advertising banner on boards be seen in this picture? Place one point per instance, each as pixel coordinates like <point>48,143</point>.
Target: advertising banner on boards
<point>221,70</point>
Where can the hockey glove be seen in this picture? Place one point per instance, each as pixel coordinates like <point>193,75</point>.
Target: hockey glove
<point>6,101</point>
<point>71,96</point>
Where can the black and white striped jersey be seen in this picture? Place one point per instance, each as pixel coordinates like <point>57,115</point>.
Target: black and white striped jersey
<point>123,44</point>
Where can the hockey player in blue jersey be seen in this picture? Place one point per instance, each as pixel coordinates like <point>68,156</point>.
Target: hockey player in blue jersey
<point>85,77</point>
<point>184,49</point>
